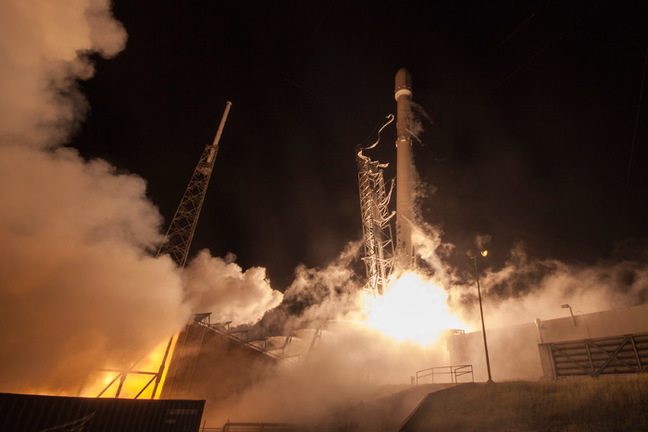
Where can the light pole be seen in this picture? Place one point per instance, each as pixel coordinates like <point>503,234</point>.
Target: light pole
<point>474,257</point>
<point>566,306</point>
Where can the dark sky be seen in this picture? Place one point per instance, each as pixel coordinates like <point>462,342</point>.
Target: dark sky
<point>533,107</point>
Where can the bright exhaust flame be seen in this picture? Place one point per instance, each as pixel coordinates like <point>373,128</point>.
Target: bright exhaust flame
<point>412,309</point>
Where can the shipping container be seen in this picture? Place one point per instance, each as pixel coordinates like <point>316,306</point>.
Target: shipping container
<point>37,413</point>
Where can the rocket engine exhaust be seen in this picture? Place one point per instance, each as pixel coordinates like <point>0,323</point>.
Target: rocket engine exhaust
<point>405,174</point>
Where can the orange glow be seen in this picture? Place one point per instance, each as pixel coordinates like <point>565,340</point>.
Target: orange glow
<point>134,382</point>
<point>412,309</point>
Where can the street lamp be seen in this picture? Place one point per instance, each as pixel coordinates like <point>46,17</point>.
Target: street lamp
<point>565,306</point>
<point>474,257</point>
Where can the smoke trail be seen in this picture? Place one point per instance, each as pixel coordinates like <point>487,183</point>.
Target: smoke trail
<point>78,289</point>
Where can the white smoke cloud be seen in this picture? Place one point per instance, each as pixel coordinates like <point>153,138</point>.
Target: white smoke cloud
<point>78,288</point>
<point>231,294</point>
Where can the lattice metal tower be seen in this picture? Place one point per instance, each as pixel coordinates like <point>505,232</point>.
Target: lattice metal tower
<point>177,240</point>
<point>376,220</point>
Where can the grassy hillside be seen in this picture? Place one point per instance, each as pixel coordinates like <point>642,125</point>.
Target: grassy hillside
<point>604,404</point>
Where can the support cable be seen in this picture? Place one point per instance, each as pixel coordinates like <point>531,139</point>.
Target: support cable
<point>636,125</point>
<point>540,51</point>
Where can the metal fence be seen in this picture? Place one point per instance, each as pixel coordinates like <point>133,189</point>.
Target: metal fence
<point>453,374</point>
<point>255,427</point>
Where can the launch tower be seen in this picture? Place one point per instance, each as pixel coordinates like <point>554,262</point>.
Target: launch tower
<point>376,220</point>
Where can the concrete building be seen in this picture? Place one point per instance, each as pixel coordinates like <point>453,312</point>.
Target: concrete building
<point>612,341</point>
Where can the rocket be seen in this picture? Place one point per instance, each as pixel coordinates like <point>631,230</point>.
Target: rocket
<point>405,173</point>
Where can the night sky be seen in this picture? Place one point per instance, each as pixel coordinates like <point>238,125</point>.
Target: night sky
<point>533,106</point>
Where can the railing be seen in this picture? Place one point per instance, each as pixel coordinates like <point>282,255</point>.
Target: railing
<point>454,372</point>
<point>256,427</point>
<point>242,336</point>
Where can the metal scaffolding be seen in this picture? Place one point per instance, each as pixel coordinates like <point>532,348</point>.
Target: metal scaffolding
<point>376,221</point>
<point>181,230</point>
